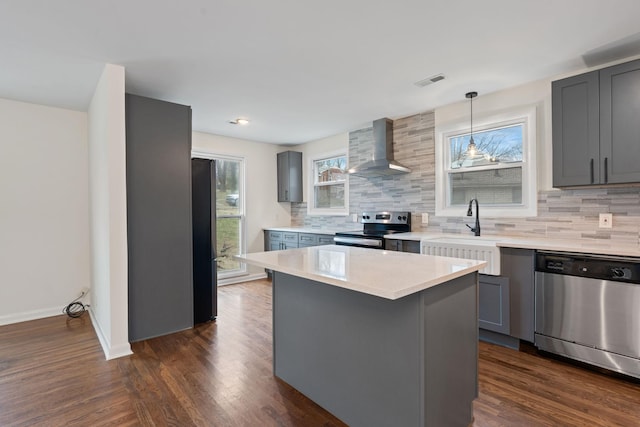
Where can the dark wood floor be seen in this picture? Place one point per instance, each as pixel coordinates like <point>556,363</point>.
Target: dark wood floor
<point>53,373</point>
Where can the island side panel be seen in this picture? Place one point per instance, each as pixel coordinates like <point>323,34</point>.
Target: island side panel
<point>451,351</point>
<point>358,356</point>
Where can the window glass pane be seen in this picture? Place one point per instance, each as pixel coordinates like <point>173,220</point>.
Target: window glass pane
<point>493,146</point>
<point>330,170</point>
<point>329,196</point>
<point>228,242</point>
<point>228,196</point>
<point>490,187</point>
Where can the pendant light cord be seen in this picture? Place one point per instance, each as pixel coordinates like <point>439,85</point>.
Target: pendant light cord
<point>471,95</point>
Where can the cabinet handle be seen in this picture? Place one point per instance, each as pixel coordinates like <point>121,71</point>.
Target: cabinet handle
<point>592,171</point>
<point>606,170</point>
<point>286,195</point>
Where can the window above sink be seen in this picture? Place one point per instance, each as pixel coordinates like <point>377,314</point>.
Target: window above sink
<point>500,173</point>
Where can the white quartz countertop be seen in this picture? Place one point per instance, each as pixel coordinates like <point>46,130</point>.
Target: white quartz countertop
<point>385,274</point>
<point>303,230</point>
<point>591,246</point>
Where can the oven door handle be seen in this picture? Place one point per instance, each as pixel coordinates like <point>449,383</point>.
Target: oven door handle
<point>356,241</point>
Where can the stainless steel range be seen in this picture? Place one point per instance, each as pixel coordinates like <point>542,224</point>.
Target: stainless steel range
<point>376,226</point>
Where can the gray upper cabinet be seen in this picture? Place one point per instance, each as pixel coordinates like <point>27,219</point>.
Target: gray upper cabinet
<point>596,127</point>
<point>620,122</point>
<point>290,176</point>
<point>576,134</point>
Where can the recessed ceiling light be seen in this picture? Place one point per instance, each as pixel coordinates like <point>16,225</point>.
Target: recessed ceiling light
<point>239,121</point>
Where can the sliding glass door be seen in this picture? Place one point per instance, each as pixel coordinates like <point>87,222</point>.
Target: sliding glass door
<point>230,212</point>
<point>230,215</point>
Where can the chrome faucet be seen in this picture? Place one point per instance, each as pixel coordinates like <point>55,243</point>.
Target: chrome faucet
<point>476,229</point>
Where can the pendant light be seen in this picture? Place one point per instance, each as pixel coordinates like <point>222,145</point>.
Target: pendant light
<point>471,148</point>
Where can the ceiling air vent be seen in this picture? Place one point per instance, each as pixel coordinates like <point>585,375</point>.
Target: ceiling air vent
<point>429,80</point>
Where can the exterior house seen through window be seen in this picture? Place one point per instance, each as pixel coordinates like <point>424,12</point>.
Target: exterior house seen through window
<point>492,172</point>
<point>498,170</point>
<point>329,189</point>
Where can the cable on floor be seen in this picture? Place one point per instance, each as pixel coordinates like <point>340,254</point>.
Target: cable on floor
<point>75,309</point>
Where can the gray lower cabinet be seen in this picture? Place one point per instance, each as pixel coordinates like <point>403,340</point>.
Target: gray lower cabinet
<point>290,176</point>
<point>518,265</point>
<point>325,239</point>
<point>400,245</point>
<point>278,240</point>
<point>493,303</point>
<point>159,232</point>
<point>307,239</point>
<point>596,127</point>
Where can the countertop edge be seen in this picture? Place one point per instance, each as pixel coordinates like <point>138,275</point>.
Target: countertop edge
<point>362,288</point>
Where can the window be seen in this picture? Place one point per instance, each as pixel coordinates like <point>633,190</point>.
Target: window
<point>328,192</point>
<point>499,172</point>
<point>229,216</point>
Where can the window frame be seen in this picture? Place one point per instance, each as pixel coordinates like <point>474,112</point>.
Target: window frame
<point>311,186</point>
<point>525,115</point>
<point>242,238</point>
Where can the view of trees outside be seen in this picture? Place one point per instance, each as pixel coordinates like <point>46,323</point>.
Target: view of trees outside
<point>498,180</point>
<point>498,145</point>
<point>229,211</point>
<point>329,188</point>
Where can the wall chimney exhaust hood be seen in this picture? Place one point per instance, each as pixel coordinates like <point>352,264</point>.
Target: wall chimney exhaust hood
<point>381,163</point>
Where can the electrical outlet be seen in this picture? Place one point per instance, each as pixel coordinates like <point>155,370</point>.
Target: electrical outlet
<point>354,217</point>
<point>606,220</point>
<point>425,218</point>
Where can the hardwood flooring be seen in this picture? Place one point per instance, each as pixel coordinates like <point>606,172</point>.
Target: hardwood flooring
<point>53,373</point>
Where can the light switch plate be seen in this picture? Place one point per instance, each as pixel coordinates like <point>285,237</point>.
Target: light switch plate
<point>606,220</point>
<point>425,218</point>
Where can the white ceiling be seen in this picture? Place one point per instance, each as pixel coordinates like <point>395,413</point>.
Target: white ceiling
<point>299,70</point>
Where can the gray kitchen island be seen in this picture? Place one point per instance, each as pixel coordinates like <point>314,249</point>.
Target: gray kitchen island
<point>377,338</point>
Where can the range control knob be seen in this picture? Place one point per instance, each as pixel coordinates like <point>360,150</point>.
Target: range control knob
<point>618,272</point>
<point>399,218</point>
<point>404,218</point>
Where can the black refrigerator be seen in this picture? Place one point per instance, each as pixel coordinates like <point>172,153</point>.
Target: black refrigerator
<point>203,204</point>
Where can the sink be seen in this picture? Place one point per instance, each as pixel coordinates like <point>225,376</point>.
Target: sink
<point>479,241</point>
<point>467,247</point>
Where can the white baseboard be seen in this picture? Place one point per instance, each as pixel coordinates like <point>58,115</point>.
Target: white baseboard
<point>109,351</point>
<point>240,279</point>
<point>30,315</point>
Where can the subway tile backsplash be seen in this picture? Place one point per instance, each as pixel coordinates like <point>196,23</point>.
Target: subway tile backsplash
<point>570,214</point>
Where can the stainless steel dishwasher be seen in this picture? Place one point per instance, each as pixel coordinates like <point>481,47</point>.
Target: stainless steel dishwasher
<point>588,308</point>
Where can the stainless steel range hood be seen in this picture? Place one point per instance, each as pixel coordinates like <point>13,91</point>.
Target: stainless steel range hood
<point>381,163</point>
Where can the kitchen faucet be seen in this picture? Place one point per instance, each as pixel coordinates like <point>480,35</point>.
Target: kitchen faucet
<point>476,229</point>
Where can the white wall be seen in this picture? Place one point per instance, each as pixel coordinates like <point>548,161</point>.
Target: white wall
<point>107,181</point>
<point>331,144</point>
<point>44,211</point>
<point>261,198</point>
